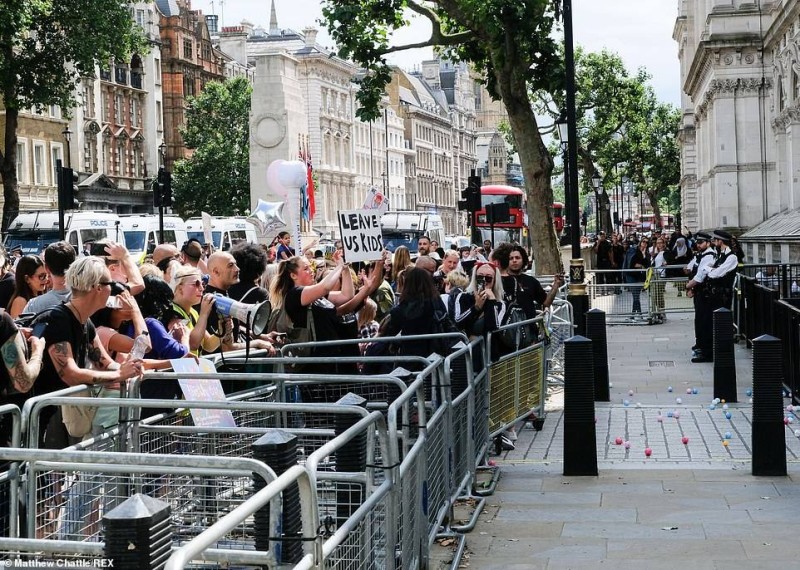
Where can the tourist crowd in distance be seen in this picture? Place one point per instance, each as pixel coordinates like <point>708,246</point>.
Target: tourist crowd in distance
<point>707,261</point>
<point>100,319</point>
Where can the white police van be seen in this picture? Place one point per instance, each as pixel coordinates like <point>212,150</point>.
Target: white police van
<point>405,228</point>
<point>34,231</point>
<point>225,232</point>
<point>141,233</point>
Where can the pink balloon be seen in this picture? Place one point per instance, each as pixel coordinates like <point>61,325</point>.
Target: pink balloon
<point>274,179</point>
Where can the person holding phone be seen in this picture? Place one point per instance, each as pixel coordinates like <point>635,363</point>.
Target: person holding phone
<point>480,308</point>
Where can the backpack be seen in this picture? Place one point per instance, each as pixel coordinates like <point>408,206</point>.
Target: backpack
<point>518,337</point>
<point>442,323</point>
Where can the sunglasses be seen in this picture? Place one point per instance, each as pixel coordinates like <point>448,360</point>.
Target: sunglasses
<point>42,277</point>
<point>104,283</point>
<point>485,278</point>
<point>195,283</point>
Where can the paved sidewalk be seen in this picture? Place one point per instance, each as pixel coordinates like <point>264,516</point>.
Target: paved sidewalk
<point>693,504</point>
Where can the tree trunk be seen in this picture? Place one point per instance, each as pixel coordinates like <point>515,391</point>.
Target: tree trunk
<point>8,170</point>
<point>652,197</point>
<point>537,167</point>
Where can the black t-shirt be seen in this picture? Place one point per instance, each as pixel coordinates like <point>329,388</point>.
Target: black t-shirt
<point>526,291</point>
<point>326,322</point>
<point>62,326</point>
<point>603,252</point>
<point>6,288</point>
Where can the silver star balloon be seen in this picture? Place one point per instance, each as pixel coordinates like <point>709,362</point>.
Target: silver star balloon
<point>268,217</point>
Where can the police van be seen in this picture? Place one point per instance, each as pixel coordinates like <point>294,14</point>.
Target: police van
<point>34,231</point>
<point>141,233</point>
<point>405,228</point>
<point>225,232</point>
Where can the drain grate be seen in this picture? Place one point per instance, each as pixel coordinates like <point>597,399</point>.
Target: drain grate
<point>662,363</point>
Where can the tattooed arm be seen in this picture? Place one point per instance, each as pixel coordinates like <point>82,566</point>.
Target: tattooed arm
<point>69,371</point>
<point>22,373</point>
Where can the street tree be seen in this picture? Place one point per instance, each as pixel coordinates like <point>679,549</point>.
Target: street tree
<point>216,177</point>
<point>509,42</point>
<point>46,47</point>
<point>606,101</point>
<point>651,147</point>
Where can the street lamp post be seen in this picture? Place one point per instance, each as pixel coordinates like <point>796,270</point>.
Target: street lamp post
<point>596,184</point>
<point>68,137</point>
<point>563,136</point>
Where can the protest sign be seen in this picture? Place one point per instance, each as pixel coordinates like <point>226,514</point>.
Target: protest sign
<point>203,390</point>
<point>361,234</point>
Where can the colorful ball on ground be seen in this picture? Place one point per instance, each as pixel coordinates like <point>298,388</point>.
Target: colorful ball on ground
<point>648,452</point>
<point>669,388</point>
<point>695,391</point>
<point>749,392</point>
<point>627,445</point>
<point>678,401</point>
<point>728,415</point>
<point>728,435</point>
<point>684,440</point>
<point>618,441</point>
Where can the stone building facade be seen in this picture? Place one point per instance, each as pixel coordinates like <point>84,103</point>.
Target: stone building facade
<point>740,156</point>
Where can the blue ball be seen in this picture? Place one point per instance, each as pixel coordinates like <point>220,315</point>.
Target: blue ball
<point>712,407</point>
<point>728,435</point>
<point>749,392</point>
<point>669,388</point>
<point>728,415</point>
<point>626,403</point>
<point>669,414</point>
<point>695,391</point>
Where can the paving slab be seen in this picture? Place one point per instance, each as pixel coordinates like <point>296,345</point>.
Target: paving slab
<point>693,503</point>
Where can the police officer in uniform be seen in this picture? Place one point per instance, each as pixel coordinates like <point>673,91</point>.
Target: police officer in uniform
<point>700,264</point>
<point>718,289</point>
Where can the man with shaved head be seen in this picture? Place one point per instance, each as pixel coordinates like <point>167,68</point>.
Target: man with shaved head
<point>222,274</point>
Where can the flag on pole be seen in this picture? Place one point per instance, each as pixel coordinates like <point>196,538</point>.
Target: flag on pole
<point>305,156</point>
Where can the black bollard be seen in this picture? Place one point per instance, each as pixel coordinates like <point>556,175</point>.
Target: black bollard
<point>596,332</point>
<point>769,433</point>
<point>138,533</point>
<point>724,359</point>
<point>580,440</point>
<point>580,305</point>
<point>278,449</point>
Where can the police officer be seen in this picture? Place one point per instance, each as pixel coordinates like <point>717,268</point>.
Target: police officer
<point>703,317</point>
<point>718,281</point>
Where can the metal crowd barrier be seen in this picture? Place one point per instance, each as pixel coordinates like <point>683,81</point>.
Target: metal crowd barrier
<point>436,426</point>
<point>657,295</point>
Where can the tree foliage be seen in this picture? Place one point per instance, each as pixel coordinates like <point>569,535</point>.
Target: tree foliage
<point>45,48</point>
<point>510,42</point>
<point>623,131</point>
<point>216,177</point>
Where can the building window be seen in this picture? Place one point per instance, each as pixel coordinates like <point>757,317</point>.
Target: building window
<point>22,161</point>
<point>119,110</point>
<point>159,116</point>
<point>157,65</point>
<point>187,49</point>
<point>133,107</point>
<point>106,107</point>
<point>56,154</point>
<point>39,166</point>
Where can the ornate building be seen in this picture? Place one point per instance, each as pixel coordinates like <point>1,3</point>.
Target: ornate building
<point>189,61</point>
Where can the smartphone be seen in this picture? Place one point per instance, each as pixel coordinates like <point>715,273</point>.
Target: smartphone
<point>480,281</point>
<point>38,329</point>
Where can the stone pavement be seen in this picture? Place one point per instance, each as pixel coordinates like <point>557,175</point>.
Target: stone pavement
<point>694,504</point>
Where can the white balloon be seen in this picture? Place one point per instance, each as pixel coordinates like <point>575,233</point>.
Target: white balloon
<point>274,178</point>
<point>292,173</point>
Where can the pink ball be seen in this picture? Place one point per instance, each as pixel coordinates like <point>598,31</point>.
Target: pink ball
<point>618,441</point>
<point>660,418</point>
<point>648,452</point>
<point>786,421</point>
<point>685,440</point>
<point>491,463</point>
<point>688,390</point>
<point>627,445</point>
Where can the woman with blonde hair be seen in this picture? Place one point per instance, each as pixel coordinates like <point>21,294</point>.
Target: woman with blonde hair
<point>187,286</point>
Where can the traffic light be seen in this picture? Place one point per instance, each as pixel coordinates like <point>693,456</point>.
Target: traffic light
<point>471,195</point>
<point>166,190</point>
<point>498,213</point>
<point>158,188</point>
<point>67,189</point>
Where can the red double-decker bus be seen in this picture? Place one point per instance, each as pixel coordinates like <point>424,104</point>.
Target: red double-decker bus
<point>558,216</point>
<point>504,231</point>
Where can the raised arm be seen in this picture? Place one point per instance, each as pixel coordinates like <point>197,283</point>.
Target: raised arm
<point>23,373</point>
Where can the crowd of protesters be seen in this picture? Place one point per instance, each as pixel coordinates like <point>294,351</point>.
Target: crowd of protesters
<point>78,316</point>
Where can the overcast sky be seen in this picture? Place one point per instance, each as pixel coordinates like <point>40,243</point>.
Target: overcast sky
<point>640,31</point>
